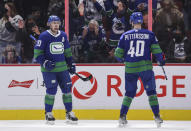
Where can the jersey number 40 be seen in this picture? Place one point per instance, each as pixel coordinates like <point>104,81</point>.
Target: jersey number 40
<point>137,48</point>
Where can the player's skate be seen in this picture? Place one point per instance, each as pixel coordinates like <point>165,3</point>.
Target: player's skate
<point>71,118</point>
<point>158,121</point>
<point>122,120</point>
<point>49,118</point>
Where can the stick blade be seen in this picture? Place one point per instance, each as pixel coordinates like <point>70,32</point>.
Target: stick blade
<point>88,78</point>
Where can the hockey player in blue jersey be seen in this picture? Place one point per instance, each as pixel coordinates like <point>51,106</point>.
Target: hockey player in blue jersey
<point>53,52</point>
<point>134,49</point>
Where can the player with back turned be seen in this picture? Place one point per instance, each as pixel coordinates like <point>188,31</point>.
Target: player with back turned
<point>53,52</point>
<point>134,49</point>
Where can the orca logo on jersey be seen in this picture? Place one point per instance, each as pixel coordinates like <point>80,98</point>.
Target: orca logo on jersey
<point>89,93</point>
<point>56,48</point>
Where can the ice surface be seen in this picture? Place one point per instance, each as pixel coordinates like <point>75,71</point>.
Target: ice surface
<point>92,125</point>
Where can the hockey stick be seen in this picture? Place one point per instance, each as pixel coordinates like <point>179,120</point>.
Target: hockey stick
<point>82,78</point>
<point>164,72</point>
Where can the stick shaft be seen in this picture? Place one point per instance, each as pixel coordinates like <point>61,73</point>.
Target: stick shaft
<point>164,72</point>
<point>82,78</point>
<point>78,75</point>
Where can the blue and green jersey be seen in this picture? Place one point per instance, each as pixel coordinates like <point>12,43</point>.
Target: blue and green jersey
<point>135,48</point>
<point>55,48</point>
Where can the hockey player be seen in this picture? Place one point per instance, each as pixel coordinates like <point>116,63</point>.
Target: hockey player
<point>53,52</point>
<point>135,48</point>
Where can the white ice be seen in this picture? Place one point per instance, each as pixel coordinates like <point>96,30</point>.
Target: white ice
<point>92,125</point>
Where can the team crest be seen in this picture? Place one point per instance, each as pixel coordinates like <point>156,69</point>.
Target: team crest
<point>57,48</point>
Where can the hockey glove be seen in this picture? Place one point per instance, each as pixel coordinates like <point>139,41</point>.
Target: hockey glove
<point>72,69</point>
<point>119,59</point>
<point>49,65</point>
<point>162,62</point>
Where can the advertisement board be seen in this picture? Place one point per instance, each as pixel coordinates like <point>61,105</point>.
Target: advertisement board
<point>22,88</point>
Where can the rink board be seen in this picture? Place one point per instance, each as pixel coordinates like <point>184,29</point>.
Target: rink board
<point>22,93</point>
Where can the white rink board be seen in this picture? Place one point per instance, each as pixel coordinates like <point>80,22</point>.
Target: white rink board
<point>178,88</point>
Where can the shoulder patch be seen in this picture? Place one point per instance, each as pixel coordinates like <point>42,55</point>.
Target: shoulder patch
<point>63,39</point>
<point>39,43</point>
<point>156,39</point>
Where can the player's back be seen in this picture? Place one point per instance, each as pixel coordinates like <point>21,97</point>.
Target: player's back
<point>137,45</point>
<point>137,49</point>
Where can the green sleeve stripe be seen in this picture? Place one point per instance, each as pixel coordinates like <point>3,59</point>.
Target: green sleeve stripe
<point>156,51</point>
<point>38,52</point>
<point>119,52</point>
<point>155,46</point>
<point>68,52</point>
<point>118,55</point>
<point>36,55</point>
<point>127,101</point>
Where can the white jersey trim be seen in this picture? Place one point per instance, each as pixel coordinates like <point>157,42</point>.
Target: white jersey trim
<point>49,31</point>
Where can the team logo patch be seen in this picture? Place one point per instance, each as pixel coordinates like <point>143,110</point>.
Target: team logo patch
<point>57,48</point>
<point>39,43</point>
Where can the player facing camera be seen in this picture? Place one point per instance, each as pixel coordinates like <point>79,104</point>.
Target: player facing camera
<point>54,24</point>
<point>54,54</point>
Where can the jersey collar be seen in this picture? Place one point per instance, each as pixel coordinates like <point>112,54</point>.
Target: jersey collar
<point>53,34</point>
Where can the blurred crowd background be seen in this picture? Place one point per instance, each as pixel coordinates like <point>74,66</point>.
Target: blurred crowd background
<point>95,27</point>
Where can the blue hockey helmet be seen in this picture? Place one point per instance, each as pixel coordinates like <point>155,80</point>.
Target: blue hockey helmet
<point>53,18</point>
<point>136,18</point>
